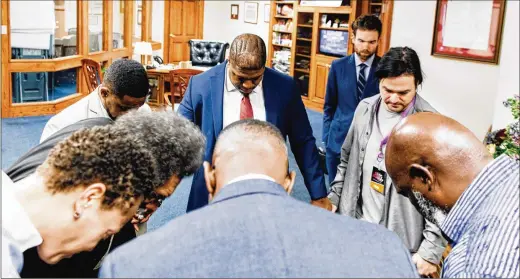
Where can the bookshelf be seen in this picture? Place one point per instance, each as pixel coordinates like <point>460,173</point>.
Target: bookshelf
<point>298,55</point>
<point>294,40</point>
<point>281,36</point>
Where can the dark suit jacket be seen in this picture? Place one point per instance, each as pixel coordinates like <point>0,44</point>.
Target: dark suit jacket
<point>253,229</point>
<point>82,264</point>
<point>341,100</point>
<point>203,105</point>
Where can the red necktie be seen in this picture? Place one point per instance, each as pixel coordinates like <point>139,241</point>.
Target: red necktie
<point>246,110</point>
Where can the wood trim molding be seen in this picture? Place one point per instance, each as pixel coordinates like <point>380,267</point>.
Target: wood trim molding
<point>58,64</point>
<point>166,38</point>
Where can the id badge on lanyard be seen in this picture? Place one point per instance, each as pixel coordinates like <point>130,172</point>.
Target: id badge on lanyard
<point>379,176</point>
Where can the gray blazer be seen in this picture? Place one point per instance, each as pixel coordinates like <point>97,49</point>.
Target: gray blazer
<point>399,213</point>
<point>253,229</point>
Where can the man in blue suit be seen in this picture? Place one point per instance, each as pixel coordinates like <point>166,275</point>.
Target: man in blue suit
<point>252,228</point>
<point>244,88</point>
<point>351,79</point>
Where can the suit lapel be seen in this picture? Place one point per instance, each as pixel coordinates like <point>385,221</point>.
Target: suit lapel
<point>270,98</point>
<point>217,97</point>
<point>352,75</point>
<point>370,78</point>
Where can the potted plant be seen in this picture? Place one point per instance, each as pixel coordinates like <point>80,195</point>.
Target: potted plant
<point>507,140</point>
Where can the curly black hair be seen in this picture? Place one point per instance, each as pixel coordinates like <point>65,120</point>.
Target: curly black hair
<point>399,61</point>
<point>127,77</point>
<point>117,159</point>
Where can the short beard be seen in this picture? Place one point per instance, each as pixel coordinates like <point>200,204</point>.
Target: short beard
<point>430,211</point>
<point>362,56</point>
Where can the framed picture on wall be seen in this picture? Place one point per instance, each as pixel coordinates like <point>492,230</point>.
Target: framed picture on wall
<point>234,11</point>
<point>251,12</point>
<point>267,12</point>
<point>469,30</point>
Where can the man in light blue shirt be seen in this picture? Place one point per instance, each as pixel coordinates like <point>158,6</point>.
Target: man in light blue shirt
<point>459,186</point>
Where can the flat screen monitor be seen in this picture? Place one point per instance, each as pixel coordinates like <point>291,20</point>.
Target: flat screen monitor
<point>333,42</point>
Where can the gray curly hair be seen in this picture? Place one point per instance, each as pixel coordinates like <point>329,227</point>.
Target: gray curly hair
<point>176,143</point>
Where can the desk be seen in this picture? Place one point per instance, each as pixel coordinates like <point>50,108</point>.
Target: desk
<point>158,79</point>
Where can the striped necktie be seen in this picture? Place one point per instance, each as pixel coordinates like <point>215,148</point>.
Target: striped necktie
<point>361,81</point>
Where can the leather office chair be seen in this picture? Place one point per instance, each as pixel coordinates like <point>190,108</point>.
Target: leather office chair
<point>179,79</point>
<point>92,73</point>
<point>207,53</point>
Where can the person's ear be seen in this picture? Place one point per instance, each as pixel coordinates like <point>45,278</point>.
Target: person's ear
<point>93,195</point>
<point>421,176</point>
<point>104,92</point>
<point>353,37</point>
<point>211,181</point>
<point>289,182</point>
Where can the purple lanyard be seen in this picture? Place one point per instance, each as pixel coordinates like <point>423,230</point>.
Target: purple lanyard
<point>404,114</point>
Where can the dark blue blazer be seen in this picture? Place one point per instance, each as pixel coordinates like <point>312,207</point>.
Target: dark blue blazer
<point>203,104</point>
<point>341,100</point>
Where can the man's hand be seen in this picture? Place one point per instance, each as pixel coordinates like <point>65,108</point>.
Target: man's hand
<point>425,268</point>
<point>323,203</point>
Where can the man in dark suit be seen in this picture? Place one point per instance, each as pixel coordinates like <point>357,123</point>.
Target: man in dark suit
<point>351,79</point>
<point>244,88</point>
<point>252,228</point>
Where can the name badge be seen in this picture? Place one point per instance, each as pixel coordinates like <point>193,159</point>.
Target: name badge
<point>378,180</point>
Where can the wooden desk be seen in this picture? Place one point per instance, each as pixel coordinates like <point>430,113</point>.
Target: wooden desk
<point>158,79</point>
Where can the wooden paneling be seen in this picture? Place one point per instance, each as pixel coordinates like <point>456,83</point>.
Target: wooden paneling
<point>184,22</point>
<point>6,56</point>
<point>59,64</point>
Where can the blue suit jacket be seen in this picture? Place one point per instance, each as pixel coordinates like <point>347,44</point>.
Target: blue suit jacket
<point>341,101</point>
<point>203,105</point>
<point>254,229</point>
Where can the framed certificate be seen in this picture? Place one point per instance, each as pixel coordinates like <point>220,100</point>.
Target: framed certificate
<point>469,30</point>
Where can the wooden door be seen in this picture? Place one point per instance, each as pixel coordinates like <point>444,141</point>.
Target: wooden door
<point>321,75</point>
<point>183,22</point>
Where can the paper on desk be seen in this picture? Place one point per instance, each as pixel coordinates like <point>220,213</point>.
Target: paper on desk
<point>467,24</point>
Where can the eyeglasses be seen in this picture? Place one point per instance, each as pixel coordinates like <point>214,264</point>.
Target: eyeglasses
<point>143,212</point>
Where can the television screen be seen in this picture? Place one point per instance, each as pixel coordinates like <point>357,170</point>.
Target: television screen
<point>333,42</point>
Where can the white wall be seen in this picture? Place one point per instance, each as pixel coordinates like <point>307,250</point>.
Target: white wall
<point>508,84</point>
<point>158,24</point>
<point>218,24</point>
<point>463,90</point>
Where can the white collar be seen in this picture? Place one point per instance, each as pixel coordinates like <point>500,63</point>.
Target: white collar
<point>16,224</point>
<point>231,88</point>
<point>368,62</point>
<point>251,176</point>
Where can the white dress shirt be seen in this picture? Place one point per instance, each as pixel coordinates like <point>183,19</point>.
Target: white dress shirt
<point>251,176</point>
<point>18,232</point>
<point>233,99</point>
<point>89,107</point>
<point>368,63</point>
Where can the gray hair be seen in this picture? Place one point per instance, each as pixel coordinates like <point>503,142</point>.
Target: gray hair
<point>176,143</point>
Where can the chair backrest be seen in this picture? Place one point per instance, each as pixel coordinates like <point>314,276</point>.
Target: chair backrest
<point>92,72</point>
<point>207,53</point>
<point>179,79</point>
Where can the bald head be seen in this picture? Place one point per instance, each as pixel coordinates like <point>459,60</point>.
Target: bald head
<point>249,147</point>
<point>248,52</point>
<point>434,155</point>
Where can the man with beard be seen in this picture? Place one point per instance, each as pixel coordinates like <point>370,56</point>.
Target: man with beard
<point>351,79</point>
<point>453,169</point>
<point>361,188</point>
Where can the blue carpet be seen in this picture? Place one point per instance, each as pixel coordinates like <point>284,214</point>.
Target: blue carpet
<point>21,134</point>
